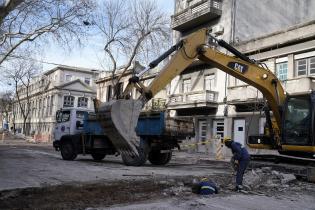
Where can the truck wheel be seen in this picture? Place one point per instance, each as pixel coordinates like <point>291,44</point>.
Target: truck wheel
<point>67,151</point>
<point>158,158</point>
<point>98,156</point>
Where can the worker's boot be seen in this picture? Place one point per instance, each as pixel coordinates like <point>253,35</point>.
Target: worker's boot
<point>239,188</point>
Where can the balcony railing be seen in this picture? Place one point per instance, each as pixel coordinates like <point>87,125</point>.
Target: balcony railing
<point>197,14</point>
<point>156,104</point>
<point>243,94</point>
<point>247,94</point>
<point>193,99</point>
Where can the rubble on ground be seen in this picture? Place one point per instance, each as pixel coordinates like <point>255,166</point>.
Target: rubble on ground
<point>266,178</point>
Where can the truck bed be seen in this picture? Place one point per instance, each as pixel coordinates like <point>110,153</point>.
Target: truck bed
<point>149,124</point>
<point>158,124</point>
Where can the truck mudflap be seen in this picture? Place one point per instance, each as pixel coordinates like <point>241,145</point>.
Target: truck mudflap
<point>119,119</point>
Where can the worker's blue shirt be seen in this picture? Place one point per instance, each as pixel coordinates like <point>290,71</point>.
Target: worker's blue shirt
<point>239,151</point>
<point>207,188</point>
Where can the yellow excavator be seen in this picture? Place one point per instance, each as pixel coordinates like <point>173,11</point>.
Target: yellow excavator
<point>289,118</point>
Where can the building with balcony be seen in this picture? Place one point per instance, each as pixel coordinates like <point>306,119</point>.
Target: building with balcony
<point>218,102</point>
<point>62,86</point>
<point>290,55</point>
<point>195,13</point>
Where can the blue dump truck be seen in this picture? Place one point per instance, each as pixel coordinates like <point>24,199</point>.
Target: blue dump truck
<point>78,131</point>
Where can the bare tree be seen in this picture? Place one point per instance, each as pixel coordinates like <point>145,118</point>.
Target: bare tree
<point>131,29</point>
<point>26,20</point>
<point>7,7</point>
<point>19,75</point>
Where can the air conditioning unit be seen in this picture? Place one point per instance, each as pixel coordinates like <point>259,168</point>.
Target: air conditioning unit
<point>218,30</point>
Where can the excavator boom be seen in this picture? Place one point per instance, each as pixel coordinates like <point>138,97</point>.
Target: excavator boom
<point>120,117</point>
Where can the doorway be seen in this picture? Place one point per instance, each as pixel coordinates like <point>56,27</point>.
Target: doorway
<point>239,131</point>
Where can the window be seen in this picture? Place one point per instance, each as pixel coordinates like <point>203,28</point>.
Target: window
<point>301,66</point>
<point>80,114</point>
<point>56,77</point>
<point>82,102</point>
<point>218,128</point>
<point>305,66</point>
<point>186,85</point>
<point>39,107</point>
<point>120,88</point>
<point>48,106</point>
<point>68,77</point>
<point>51,105</point>
<point>312,65</point>
<point>63,116</point>
<point>202,130</point>
<point>87,81</point>
<point>282,71</point>
<point>298,118</point>
<point>109,92</point>
<point>209,82</point>
<point>68,101</point>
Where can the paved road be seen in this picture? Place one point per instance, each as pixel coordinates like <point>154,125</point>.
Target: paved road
<point>23,165</point>
<point>27,165</point>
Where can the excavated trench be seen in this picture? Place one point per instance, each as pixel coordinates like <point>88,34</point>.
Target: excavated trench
<point>80,196</point>
<point>101,194</point>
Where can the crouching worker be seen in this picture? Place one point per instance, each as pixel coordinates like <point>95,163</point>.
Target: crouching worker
<point>241,160</point>
<point>205,187</point>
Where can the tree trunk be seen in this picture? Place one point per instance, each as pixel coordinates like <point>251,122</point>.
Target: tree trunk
<point>24,126</point>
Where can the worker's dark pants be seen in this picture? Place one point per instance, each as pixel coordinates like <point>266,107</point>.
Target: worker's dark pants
<point>241,170</point>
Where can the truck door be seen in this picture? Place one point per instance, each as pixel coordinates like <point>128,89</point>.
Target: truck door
<point>63,124</point>
<point>77,122</point>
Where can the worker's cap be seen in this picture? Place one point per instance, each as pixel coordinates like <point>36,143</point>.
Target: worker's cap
<point>204,179</point>
<point>227,139</point>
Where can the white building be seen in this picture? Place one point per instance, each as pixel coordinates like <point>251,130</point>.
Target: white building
<point>60,87</point>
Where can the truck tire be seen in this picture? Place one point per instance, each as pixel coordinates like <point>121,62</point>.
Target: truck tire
<point>98,156</point>
<point>67,150</point>
<point>158,158</point>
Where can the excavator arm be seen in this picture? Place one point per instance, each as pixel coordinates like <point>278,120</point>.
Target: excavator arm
<point>194,48</point>
<point>190,49</point>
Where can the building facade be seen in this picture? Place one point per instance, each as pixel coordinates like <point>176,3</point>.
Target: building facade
<point>105,90</point>
<point>215,99</point>
<point>289,54</point>
<point>60,87</point>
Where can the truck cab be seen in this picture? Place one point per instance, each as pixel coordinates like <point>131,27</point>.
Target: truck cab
<point>73,135</point>
<point>69,122</point>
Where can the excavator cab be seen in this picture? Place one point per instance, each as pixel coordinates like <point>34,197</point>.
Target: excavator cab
<point>298,125</point>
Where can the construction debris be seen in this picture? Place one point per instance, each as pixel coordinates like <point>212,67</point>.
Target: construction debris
<point>267,178</point>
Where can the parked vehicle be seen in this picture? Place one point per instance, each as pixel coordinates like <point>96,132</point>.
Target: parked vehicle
<point>78,131</point>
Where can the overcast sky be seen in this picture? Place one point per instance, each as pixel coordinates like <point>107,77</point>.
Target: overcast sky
<point>89,56</point>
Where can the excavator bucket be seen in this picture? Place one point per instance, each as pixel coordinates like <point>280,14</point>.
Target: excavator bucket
<point>119,119</point>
